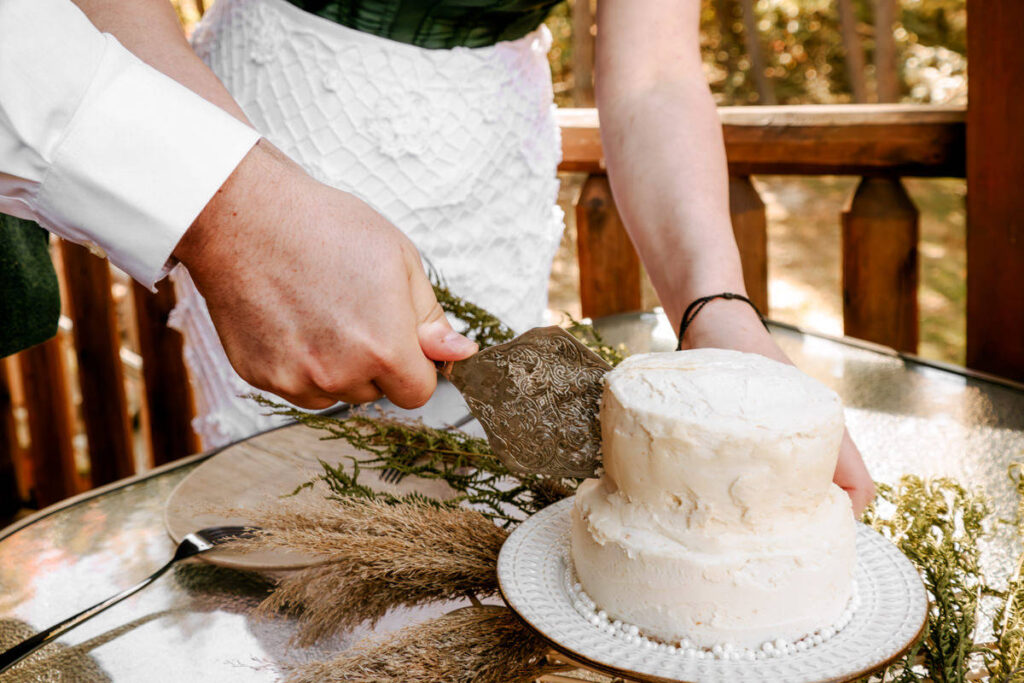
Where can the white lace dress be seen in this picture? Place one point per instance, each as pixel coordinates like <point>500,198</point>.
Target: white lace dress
<point>458,148</point>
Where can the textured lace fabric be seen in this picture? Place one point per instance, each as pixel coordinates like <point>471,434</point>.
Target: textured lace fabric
<point>458,148</point>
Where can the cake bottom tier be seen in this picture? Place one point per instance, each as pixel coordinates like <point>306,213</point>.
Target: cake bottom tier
<point>783,587</point>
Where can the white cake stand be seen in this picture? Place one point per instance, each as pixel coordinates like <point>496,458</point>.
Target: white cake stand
<point>892,613</point>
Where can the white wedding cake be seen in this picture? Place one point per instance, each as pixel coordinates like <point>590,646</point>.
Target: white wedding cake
<point>716,521</point>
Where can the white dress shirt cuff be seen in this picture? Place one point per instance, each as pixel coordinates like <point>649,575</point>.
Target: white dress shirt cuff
<point>138,162</point>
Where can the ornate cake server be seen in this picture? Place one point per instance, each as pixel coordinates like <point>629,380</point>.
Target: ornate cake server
<point>537,398</point>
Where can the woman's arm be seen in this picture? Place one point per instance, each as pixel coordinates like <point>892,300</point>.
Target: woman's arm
<point>663,143</point>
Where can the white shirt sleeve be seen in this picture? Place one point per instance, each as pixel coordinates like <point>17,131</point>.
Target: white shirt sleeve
<point>99,147</point>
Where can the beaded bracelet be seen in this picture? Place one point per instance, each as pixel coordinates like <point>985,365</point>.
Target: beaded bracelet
<point>698,304</point>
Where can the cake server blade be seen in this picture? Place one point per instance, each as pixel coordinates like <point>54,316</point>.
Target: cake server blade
<point>537,398</point>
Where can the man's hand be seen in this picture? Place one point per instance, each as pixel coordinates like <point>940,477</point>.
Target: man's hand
<point>734,325</point>
<point>315,296</point>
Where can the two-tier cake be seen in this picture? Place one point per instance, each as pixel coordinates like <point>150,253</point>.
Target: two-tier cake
<point>716,519</point>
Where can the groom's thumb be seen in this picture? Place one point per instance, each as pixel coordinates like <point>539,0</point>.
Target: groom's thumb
<point>440,342</point>
<point>437,338</point>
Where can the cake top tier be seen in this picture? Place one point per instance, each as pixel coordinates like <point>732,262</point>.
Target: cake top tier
<point>719,435</point>
<point>735,391</point>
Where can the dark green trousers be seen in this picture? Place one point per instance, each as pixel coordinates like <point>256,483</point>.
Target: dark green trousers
<point>29,296</point>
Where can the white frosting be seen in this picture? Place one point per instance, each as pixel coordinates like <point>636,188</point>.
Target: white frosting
<point>716,518</point>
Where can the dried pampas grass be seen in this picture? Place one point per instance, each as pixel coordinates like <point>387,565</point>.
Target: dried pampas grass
<point>375,557</point>
<point>486,644</point>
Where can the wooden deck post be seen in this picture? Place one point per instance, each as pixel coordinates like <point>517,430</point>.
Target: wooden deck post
<point>750,225</point>
<point>168,392</point>
<point>609,266</point>
<point>880,272</point>
<point>995,205</point>
<point>49,422</point>
<point>100,378</point>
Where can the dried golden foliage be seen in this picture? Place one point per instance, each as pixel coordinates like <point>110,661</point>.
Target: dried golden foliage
<point>486,644</point>
<point>53,663</point>
<point>376,557</point>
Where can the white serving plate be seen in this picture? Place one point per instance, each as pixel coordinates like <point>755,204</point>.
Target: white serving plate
<point>891,616</point>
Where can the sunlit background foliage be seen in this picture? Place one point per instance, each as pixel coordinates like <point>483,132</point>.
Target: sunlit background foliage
<point>803,50</point>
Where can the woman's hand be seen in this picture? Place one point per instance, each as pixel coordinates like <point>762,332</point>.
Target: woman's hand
<point>734,325</point>
<point>852,475</point>
<point>315,296</point>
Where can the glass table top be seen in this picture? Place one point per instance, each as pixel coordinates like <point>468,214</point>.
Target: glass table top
<point>194,624</point>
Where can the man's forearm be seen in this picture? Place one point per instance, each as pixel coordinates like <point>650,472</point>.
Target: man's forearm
<point>100,147</point>
<point>151,31</point>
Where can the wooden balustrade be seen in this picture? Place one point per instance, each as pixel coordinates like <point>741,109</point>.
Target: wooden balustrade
<point>106,422</point>
<point>995,210</point>
<point>168,392</point>
<point>100,377</point>
<point>44,384</point>
<point>880,143</point>
<point>750,226</point>
<point>609,266</point>
<point>880,268</point>
<point>10,496</point>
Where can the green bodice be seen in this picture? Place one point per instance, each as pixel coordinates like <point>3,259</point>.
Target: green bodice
<point>436,23</point>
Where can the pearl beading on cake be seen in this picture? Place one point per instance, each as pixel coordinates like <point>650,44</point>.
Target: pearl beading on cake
<point>632,635</point>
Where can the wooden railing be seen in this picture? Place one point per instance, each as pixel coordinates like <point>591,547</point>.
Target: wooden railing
<point>880,143</point>
<point>44,470</point>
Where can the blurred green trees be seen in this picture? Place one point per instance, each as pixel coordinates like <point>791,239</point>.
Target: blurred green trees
<point>803,53</point>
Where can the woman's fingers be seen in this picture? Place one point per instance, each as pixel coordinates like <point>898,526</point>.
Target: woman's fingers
<point>852,475</point>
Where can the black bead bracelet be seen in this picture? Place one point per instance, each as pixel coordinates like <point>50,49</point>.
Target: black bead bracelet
<point>698,304</point>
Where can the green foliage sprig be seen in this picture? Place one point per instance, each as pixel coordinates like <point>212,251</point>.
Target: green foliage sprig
<point>481,325</point>
<point>586,333</point>
<point>1005,661</point>
<point>939,524</point>
<point>486,329</point>
<point>464,462</point>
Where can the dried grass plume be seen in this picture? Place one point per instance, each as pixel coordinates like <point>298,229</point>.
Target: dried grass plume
<point>375,557</point>
<point>486,644</point>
